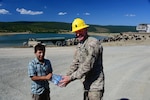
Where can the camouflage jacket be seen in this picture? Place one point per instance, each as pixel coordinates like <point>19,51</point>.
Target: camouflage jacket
<point>87,65</point>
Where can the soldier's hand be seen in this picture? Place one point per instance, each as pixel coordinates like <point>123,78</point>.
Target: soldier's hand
<point>64,82</point>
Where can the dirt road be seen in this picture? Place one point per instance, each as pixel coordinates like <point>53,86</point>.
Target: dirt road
<point>126,73</point>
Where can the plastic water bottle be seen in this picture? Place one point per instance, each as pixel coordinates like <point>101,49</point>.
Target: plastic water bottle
<point>55,79</point>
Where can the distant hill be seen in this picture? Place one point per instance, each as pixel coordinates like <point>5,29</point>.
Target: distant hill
<point>58,27</point>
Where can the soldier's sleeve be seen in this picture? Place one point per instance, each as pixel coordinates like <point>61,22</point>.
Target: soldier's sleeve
<point>87,65</point>
<point>74,65</point>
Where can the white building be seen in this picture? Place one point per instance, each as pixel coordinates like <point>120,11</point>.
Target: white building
<point>144,28</point>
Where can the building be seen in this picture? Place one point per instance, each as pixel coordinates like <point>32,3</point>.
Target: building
<point>143,28</point>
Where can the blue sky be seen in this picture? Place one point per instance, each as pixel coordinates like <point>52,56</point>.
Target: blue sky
<point>98,12</point>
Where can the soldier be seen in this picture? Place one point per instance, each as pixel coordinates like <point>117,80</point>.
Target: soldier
<point>87,64</point>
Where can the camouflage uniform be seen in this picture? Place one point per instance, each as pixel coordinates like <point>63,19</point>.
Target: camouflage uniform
<point>88,66</point>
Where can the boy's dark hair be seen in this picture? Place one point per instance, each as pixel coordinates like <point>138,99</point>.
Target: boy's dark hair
<point>39,46</point>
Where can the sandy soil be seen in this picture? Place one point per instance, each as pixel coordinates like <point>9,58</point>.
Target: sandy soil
<point>12,33</point>
<point>127,43</point>
<point>126,67</point>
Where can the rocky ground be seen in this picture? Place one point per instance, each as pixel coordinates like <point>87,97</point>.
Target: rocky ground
<point>129,38</point>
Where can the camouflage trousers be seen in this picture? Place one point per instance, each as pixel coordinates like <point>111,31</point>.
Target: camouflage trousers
<point>93,95</point>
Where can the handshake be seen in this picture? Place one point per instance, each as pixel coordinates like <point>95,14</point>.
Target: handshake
<point>59,80</point>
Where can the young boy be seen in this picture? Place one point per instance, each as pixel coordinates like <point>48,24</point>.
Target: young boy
<point>40,72</point>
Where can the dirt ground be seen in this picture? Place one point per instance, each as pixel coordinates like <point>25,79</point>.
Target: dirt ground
<point>126,67</point>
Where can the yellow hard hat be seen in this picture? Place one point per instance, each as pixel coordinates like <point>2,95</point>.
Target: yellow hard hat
<point>78,24</point>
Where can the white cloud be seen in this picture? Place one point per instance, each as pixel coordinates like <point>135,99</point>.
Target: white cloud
<point>62,13</point>
<point>4,11</point>
<point>130,15</point>
<point>28,12</point>
<point>86,13</point>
